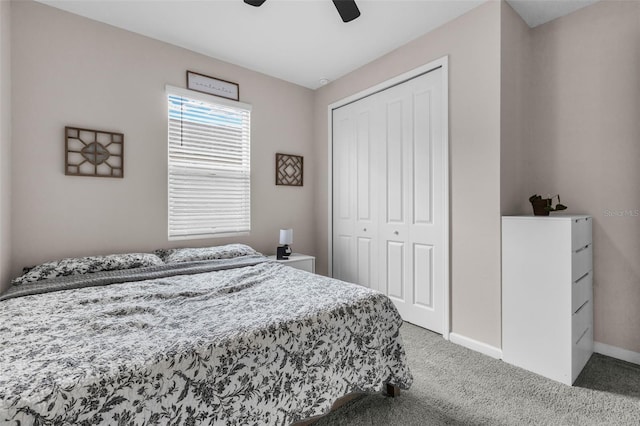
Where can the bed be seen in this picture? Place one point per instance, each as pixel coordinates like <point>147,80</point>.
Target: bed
<point>191,339</point>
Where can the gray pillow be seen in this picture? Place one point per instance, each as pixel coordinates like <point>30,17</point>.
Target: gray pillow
<point>86,265</point>
<point>228,251</point>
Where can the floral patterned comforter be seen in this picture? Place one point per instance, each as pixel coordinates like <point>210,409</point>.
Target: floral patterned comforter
<point>258,344</point>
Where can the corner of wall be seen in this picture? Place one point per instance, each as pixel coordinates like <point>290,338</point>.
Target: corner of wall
<point>515,57</point>
<point>5,143</point>
<point>322,99</point>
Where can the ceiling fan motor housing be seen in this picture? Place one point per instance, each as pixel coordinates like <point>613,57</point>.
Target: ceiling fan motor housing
<point>348,9</point>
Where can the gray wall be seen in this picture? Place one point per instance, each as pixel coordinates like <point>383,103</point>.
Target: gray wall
<point>75,71</point>
<point>5,144</point>
<point>515,123</point>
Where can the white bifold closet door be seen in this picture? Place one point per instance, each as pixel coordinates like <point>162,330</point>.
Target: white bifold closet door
<point>389,182</point>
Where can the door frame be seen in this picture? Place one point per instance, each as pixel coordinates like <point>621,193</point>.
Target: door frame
<point>442,63</point>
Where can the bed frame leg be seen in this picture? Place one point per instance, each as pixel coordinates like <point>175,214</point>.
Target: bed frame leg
<point>393,390</point>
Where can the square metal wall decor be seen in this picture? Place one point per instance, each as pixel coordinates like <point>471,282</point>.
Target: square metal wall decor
<point>289,169</point>
<point>93,153</point>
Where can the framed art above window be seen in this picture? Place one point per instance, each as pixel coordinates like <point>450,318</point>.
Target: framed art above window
<point>209,187</point>
<point>213,86</point>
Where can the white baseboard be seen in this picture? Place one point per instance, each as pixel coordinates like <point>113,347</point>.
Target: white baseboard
<point>615,352</point>
<point>493,352</point>
<point>475,345</point>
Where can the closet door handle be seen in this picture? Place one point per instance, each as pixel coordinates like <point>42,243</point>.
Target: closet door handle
<point>365,229</point>
<point>396,232</point>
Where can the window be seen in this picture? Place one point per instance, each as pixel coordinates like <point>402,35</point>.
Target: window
<point>209,166</point>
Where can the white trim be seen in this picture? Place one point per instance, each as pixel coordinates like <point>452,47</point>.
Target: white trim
<point>438,63</point>
<point>475,345</point>
<point>446,324</point>
<point>330,192</point>
<point>616,352</point>
<point>206,98</point>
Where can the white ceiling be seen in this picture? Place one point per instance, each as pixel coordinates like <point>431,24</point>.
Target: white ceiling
<point>300,41</point>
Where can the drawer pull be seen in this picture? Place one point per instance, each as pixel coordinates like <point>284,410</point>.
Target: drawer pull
<point>582,277</point>
<point>582,248</point>
<point>580,308</point>
<point>584,333</point>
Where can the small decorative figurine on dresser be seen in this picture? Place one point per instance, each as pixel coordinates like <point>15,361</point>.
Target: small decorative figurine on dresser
<point>542,206</point>
<point>286,238</point>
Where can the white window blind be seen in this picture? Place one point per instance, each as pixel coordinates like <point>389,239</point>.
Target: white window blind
<point>209,166</point>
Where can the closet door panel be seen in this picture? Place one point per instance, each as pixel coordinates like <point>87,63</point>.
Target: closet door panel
<point>343,263</point>
<point>343,195</point>
<point>355,195</point>
<point>423,275</point>
<point>363,159</point>
<point>366,210</point>
<point>394,178</point>
<point>422,159</point>
<point>395,262</point>
<point>427,230</point>
<point>365,254</point>
<point>395,256</point>
<point>342,166</point>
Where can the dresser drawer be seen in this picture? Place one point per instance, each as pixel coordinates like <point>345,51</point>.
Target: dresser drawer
<point>581,262</point>
<point>581,352</point>
<point>581,232</point>
<point>582,291</point>
<point>581,321</point>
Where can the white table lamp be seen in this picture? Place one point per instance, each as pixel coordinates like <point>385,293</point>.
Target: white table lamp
<point>286,238</point>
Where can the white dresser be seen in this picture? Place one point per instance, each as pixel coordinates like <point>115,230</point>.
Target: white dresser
<point>547,294</point>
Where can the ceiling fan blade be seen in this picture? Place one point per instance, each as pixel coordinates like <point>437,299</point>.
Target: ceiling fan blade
<point>256,3</point>
<point>347,9</point>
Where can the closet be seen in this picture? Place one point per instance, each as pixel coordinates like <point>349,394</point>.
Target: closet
<point>389,196</point>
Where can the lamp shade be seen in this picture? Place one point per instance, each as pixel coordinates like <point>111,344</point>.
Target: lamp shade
<point>286,236</point>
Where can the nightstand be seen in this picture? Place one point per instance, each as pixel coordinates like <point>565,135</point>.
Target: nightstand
<point>298,261</point>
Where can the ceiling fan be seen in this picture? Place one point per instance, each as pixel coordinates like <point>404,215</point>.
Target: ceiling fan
<point>347,9</point>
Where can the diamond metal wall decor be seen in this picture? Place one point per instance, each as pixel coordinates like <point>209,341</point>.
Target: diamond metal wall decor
<point>93,153</point>
<point>289,169</point>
